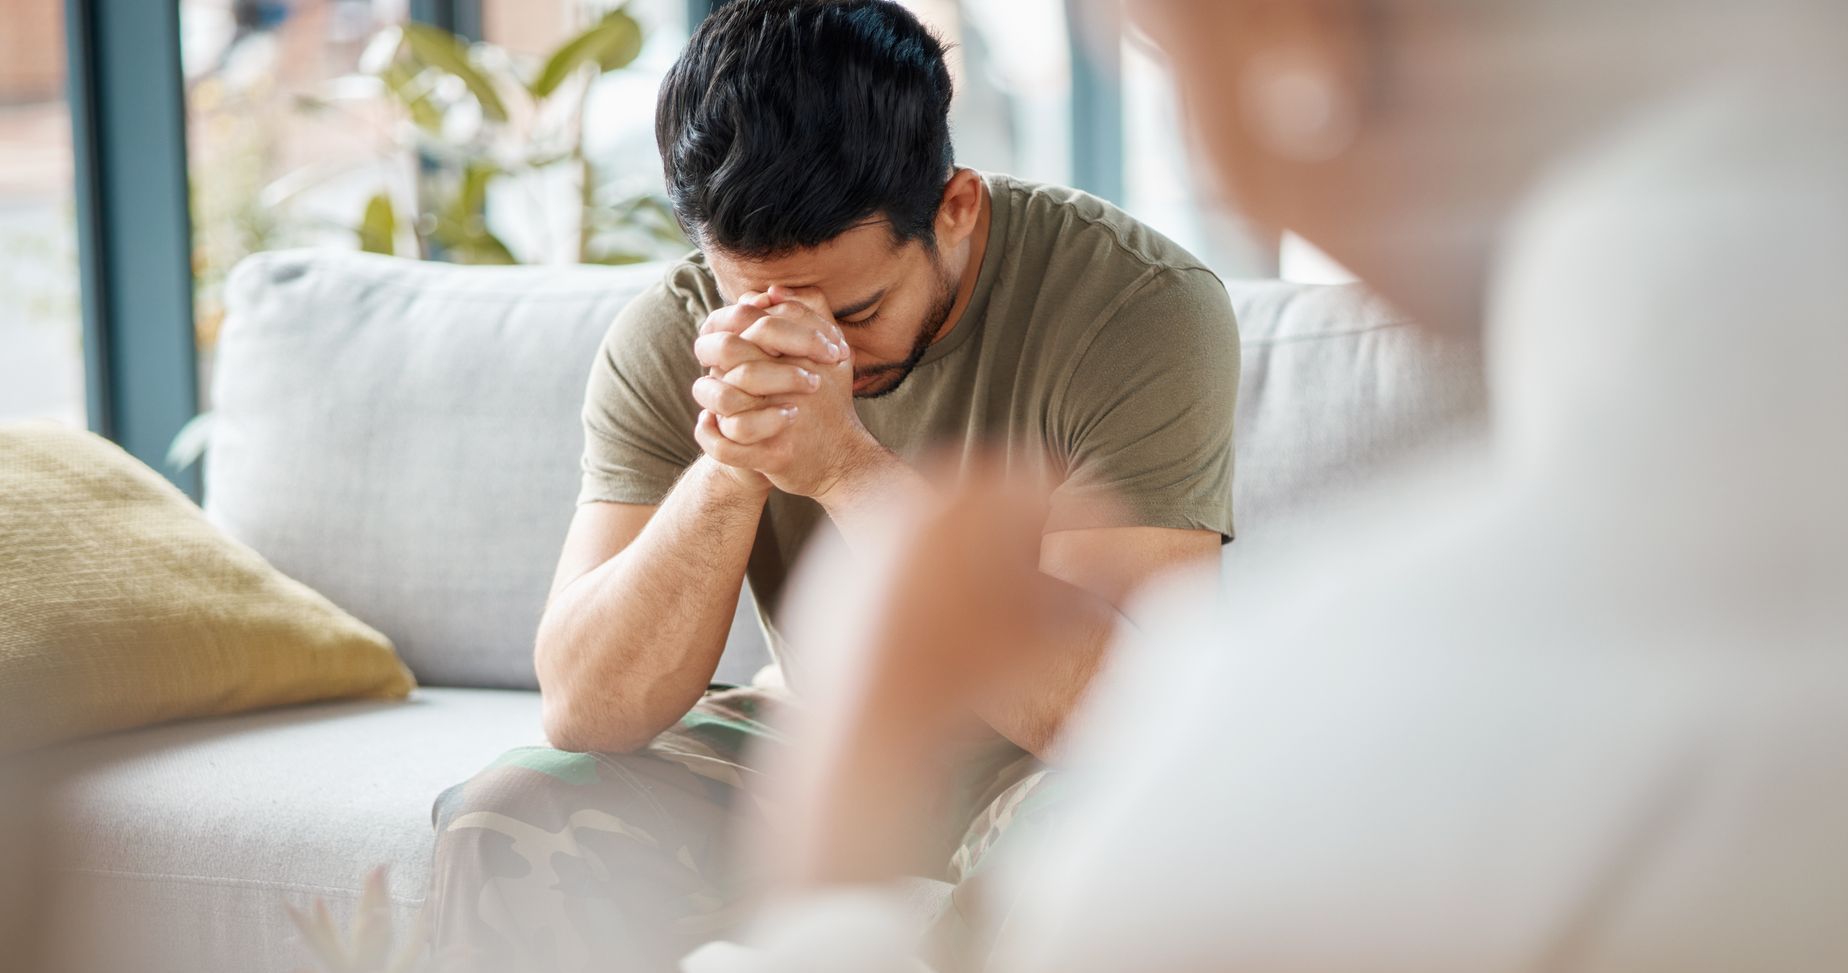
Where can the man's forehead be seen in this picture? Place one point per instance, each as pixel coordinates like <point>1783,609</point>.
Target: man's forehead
<point>847,269</point>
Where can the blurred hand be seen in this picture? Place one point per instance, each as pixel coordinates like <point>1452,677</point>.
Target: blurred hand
<point>902,644</point>
<point>959,606</point>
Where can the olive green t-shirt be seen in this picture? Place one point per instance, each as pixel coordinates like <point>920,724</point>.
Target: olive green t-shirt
<point>1090,343</point>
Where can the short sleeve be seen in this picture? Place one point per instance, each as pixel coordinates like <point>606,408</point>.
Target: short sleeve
<point>1145,421</point>
<point>638,406</point>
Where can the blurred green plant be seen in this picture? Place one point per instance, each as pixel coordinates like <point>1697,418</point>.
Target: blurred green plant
<point>234,137</point>
<point>461,119</point>
<point>472,116</point>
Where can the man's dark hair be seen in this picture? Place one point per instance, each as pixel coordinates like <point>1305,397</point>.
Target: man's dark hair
<point>788,122</point>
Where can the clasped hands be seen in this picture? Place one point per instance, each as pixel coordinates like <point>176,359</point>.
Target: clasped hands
<point>776,402</point>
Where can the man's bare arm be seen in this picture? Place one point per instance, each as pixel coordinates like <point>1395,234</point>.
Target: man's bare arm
<point>644,597</point>
<point>640,609</point>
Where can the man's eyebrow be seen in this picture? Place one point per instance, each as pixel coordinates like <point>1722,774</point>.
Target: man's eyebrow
<point>858,306</point>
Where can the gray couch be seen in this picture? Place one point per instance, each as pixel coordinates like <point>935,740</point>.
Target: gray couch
<point>404,438</point>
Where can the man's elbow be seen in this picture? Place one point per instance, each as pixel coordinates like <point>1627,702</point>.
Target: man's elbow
<point>568,727</point>
<point>561,731</point>
<point>573,717</point>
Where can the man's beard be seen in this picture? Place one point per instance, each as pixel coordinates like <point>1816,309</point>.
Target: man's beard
<point>927,335</point>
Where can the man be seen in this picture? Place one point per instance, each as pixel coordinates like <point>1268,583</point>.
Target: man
<point>857,300</point>
<point>1575,703</point>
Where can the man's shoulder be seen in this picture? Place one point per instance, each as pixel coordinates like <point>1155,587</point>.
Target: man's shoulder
<point>686,287</point>
<point>672,307</point>
<point>1072,226</point>
<point>691,279</point>
<point>1115,282</point>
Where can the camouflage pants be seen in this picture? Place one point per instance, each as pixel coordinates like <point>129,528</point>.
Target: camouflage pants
<point>555,862</point>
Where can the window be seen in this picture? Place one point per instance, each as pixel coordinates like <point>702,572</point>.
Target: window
<point>1015,112</point>
<point>296,133</point>
<point>41,326</point>
<point>324,123</point>
<point>1164,183</point>
<point>1013,76</point>
<point>544,213</point>
<point>282,150</point>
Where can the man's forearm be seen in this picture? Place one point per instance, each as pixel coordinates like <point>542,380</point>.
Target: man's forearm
<point>626,649</point>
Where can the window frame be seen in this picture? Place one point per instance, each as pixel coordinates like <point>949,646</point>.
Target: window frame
<point>134,230</point>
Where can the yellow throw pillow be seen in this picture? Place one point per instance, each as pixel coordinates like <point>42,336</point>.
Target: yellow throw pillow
<point>122,606</point>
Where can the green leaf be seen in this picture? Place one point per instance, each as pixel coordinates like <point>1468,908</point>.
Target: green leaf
<point>190,442</point>
<point>617,258</point>
<point>667,228</point>
<point>482,247</point>
<point>672,236</point>
<point>378,228</point>
<point>459,229</point>
<point>459,222</point>
<point>472,199</point>
<point>438,48</point>
<point>624,53</point>
<point>612,42</point>
<point>500,73</point>
<point>648,214</point>
<point>405,85</point>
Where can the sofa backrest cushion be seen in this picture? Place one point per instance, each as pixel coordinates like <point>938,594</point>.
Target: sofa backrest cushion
<point>1337,388</point>
<point>404,436</point>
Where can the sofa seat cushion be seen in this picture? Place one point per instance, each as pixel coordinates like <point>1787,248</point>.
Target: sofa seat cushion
<point>178,847</point>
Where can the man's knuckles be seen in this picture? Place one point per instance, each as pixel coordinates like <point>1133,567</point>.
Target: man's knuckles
<point>763,378</point>
<point>752,428</point>
<point>725,351</point>
<point>724,399</point>
<point>727,347</point>
<point>732,318</point>
<point>714,443</point>
<point>806,297</point>
<point>783,335</point>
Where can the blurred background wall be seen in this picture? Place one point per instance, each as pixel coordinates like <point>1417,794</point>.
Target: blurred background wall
<point>31,58</point>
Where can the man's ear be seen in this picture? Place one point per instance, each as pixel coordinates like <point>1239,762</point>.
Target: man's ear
<point>961,208</point>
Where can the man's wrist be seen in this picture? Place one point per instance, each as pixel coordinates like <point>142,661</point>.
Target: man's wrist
<point>747,488</point>
<point>863,467</point>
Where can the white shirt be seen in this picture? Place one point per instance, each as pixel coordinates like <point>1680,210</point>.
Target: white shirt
<point>1580,702</point>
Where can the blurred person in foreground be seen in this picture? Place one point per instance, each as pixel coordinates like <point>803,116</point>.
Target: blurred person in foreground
<point>1576,700</point>
<point>24,883</point>
<point>857,299</point>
